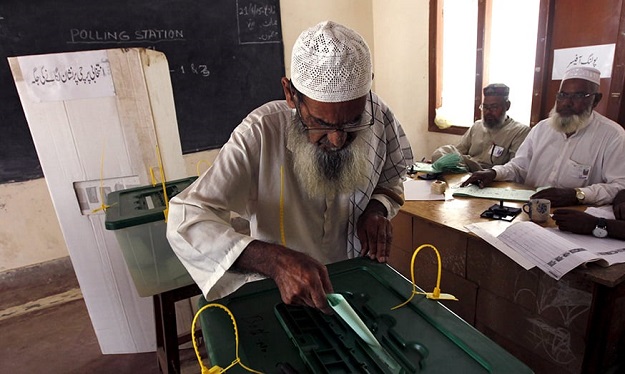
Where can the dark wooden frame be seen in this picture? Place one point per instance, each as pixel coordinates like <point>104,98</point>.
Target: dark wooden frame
<point>541,104</point>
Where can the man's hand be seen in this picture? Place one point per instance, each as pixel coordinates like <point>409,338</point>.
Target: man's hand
<point>619,205</point>
<point>557,196</point>
<point>574,221</point>
<point>481,178</point>
<point>375,232</point>
<point>301,279</point>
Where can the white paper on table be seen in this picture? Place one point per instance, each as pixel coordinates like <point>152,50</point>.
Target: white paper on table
<point>600,246</point>
<point>553,251</point>
<point>605,211</point>
<point>420,190</point>
<point>556,252</point>
<point>489,231</point>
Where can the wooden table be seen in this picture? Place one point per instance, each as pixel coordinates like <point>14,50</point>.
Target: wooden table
<point>574,325</point>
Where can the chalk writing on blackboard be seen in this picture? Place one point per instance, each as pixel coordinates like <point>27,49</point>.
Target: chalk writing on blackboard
<point>258,23</point>
<point>88,36</point>
<point>192,68</point>
<point>225,59</point>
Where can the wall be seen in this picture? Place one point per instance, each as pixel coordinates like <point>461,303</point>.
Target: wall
<point>29,230</point>
<point>397,32</point>
<point>401,69</point>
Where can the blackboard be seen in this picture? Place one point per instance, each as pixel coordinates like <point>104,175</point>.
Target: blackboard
<point>226,58</point>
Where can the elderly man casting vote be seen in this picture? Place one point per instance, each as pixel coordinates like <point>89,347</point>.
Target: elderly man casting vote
<point>318,176</point>
<point>576,152</point>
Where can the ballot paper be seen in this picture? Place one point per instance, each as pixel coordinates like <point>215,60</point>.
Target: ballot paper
<point>551,250</point>
<point>349,315</point>
<point>495,193</point>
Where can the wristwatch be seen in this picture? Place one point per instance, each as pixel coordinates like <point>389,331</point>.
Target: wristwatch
<point>580,195</point>
<point>601,230</point>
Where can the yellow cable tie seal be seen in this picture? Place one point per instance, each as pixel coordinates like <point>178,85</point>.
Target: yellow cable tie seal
<point>160,166</point>
<point>217,369</point>
<point>197,166</point>
<point>152,176</point>
<point>103,207</point>
<point>436,293</point>
<point>282,233</point>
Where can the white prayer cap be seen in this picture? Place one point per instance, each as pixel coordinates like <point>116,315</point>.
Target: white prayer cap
<point>331,63</point>
<point>583,72</point>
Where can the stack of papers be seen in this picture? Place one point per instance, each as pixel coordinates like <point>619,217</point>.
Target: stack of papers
<point>551,250</point>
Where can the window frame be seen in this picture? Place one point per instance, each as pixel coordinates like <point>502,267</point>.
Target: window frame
<point>484,12</point>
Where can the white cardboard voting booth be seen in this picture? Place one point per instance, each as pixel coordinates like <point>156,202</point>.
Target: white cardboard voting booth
<point>97,119</point>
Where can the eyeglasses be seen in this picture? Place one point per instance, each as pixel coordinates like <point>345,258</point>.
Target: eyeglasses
<point>365,121</point>
<point>492,107</point>
<point>575,96</point>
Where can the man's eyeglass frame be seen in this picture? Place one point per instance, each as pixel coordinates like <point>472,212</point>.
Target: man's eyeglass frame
<point>491,108</point>
<point>347,127</point>
<point>575,96</point>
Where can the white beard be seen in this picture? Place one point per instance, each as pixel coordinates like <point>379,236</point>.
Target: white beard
<point>569,124</point>
<point>323,173</point>
<point>494,125</point>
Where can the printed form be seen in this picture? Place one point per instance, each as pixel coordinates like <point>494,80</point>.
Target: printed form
<point>551,250</point>
<point>553,254</point>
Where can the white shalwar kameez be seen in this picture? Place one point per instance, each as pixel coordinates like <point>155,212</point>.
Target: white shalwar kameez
<point>252,174</point>
<point>592,159</point>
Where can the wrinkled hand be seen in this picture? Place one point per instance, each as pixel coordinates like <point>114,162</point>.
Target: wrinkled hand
<point>574,221</point>
<point>619,205</point>
<point>375,232</point>
<point>557,196</point>
<point>480,178</point>
<point>303,280</point>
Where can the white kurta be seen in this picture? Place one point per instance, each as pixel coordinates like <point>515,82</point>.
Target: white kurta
<point>250,176</point>
<point>592,159</point>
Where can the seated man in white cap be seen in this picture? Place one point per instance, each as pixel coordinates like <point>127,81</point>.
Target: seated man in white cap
<point>492,140</point>
<point>576,152</point>
<point>318,176</point>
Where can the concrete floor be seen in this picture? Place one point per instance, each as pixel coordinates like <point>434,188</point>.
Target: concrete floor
<point>58,338</point>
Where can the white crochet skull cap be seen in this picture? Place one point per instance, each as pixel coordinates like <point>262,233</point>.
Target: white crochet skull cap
<point>583,72</point>
<point>331,63</point>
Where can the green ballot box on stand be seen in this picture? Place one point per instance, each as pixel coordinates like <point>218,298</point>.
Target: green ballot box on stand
<point>137,217</point>
<point>421,337</point>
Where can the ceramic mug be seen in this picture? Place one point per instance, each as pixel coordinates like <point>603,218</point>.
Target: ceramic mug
<point>538,209</point>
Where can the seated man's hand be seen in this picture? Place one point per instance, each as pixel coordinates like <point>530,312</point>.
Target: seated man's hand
<point>375,232</point>
<point>557,196</point>
<point>574,221</point>
<point>301,279</point>
<point>619,205</point>
<point>480,178</point>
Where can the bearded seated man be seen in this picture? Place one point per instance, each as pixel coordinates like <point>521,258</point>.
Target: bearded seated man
<point>492,140</point>
<point>576,152</point>
<point>318,176</point>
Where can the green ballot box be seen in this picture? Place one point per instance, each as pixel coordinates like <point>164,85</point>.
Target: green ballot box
<point>421,337</point>
<point>137,217</point>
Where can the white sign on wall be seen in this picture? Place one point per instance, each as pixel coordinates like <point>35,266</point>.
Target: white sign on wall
<point>597,56</point>
<point>67,76</point>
